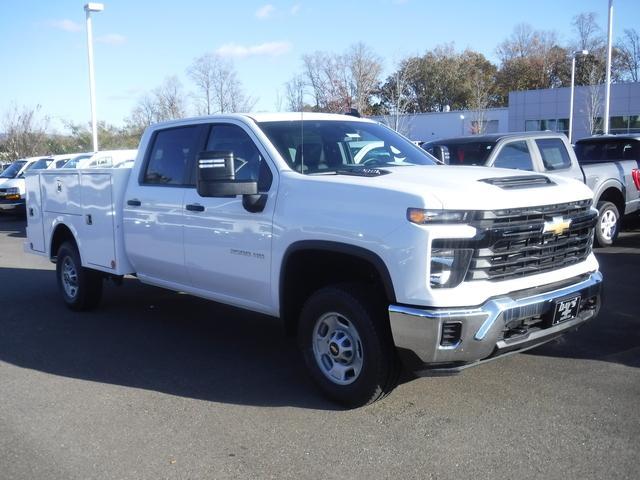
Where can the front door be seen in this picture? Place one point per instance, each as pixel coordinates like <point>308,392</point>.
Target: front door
<point>227,241</point>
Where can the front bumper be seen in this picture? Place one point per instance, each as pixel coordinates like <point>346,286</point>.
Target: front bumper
<point>11,205</point>
<point>505,324</point>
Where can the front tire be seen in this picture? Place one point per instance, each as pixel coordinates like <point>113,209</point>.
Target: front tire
<point>346,342</point>
<point>81,288</point>
<point>608,225</point>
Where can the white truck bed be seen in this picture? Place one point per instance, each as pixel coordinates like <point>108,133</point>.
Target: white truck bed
<point>89,203</point>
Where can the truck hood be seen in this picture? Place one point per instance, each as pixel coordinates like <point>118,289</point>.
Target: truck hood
<point>13,182</point>
<point>466,188</point>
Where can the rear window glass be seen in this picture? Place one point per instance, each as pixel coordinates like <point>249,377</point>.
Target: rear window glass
<point>554,154</point>
<point>466,153</point>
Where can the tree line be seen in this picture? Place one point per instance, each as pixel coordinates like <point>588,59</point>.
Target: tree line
<point>437,80</point>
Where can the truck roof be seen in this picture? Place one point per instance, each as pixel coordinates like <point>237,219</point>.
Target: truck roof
<point>493,137</point>
<point>265,117</point>
<point>607,138</point>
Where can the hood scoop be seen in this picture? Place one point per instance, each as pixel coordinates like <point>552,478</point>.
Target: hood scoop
<point>522,181</point>
<point>362,171</point>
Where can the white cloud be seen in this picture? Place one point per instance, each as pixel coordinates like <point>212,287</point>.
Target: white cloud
<point>269,49</point>
<point>112,39</point>
<point>295,9</point>
<point>66,25</point>
<point>265,11</point>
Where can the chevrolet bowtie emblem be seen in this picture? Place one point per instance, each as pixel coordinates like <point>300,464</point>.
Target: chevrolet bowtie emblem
<point>557,226</point>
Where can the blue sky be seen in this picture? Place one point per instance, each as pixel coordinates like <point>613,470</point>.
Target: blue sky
<point>139,43</point>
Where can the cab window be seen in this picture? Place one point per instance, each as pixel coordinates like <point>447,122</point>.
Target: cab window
<point>554,153</point>
<point>249,164</point>
<point>173,151</point>
<point>514,155</point>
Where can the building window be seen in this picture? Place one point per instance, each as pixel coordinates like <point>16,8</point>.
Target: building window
<point>634,124</point>
<point>532,125</point>
<point>563,126</point>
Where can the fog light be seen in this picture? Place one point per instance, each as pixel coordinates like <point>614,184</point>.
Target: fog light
<point>449,266</point>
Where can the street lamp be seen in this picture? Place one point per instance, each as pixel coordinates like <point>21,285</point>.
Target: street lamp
<point>461,124</point>
<point>582,53</point>
<point>88,8</point>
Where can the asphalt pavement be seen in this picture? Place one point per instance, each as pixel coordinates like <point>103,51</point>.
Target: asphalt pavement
<point>157,385</point>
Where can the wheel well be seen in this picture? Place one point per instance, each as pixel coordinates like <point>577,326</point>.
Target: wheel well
<point>614,196</point>
<point>307,270</point>
<point>60,235</point>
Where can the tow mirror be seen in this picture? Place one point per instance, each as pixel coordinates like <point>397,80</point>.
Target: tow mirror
<point>216,176</point>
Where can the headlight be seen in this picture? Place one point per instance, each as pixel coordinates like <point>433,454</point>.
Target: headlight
<point>421,216</point>
<point>12,193</point>
<point>449,266</point>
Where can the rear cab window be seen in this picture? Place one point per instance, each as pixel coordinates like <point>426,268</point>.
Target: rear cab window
<point>553,153</point>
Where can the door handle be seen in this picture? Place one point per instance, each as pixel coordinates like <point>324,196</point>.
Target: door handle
<point>134,202</point>
<point>194,207</point>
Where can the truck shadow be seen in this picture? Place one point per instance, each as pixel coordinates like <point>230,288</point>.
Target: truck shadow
<point>615,335</point>
<point>153,339</point>
<point>149,338</point>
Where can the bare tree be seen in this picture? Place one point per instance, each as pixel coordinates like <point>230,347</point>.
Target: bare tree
<point>481,92</point>
<point>165,102</point>
<point>339,82</point>
<point>629,48</point>
<point>170,100</point>
<point>399,97</point>
<point>588,31</point>
<point>365,68</point>
<point>593,104</point>
<point>203,72</point>
<point>294,94</point>
<point>25,132</point>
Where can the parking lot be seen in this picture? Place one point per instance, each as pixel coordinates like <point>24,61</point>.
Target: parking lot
<point>161,385</point>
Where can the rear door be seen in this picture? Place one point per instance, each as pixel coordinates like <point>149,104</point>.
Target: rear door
<point>154,206</point>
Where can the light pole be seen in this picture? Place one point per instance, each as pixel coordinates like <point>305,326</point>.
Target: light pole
<point>607,95</point>
<point>88,8</point>
<point>573,79</point>
<point>461,124</point>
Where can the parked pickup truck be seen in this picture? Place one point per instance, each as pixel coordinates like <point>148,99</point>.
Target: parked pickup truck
<point>611,165</point>
<point>365,262</point>
<point>613,185</point>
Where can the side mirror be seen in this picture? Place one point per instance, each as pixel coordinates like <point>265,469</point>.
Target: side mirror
<point>216,176</point>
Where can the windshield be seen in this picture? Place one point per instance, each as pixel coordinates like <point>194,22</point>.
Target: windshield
<point>73,163</point>
<point>37,165</point>
<point>324,146</point>
<point>12,170</point>
<point>467,153</point>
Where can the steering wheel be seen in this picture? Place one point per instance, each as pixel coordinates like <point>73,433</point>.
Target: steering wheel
<point>370,161</point>
<point>238,163</point>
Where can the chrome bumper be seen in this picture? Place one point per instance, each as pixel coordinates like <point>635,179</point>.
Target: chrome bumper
<point>418,331</point>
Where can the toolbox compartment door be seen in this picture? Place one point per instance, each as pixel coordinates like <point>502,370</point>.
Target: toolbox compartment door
<point>98,223</point>
<point>35,226</point>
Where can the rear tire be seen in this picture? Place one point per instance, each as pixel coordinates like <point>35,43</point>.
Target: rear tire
<point>346,342</point>
<point>608,225</point>
<point>81,287</point>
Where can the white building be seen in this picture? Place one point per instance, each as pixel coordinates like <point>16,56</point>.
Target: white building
<point>531,110</point>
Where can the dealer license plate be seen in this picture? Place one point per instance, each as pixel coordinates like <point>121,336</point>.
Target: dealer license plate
<point>566,309</point>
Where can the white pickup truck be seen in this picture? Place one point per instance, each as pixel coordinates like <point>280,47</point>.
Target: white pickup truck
<point>367,262</point>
